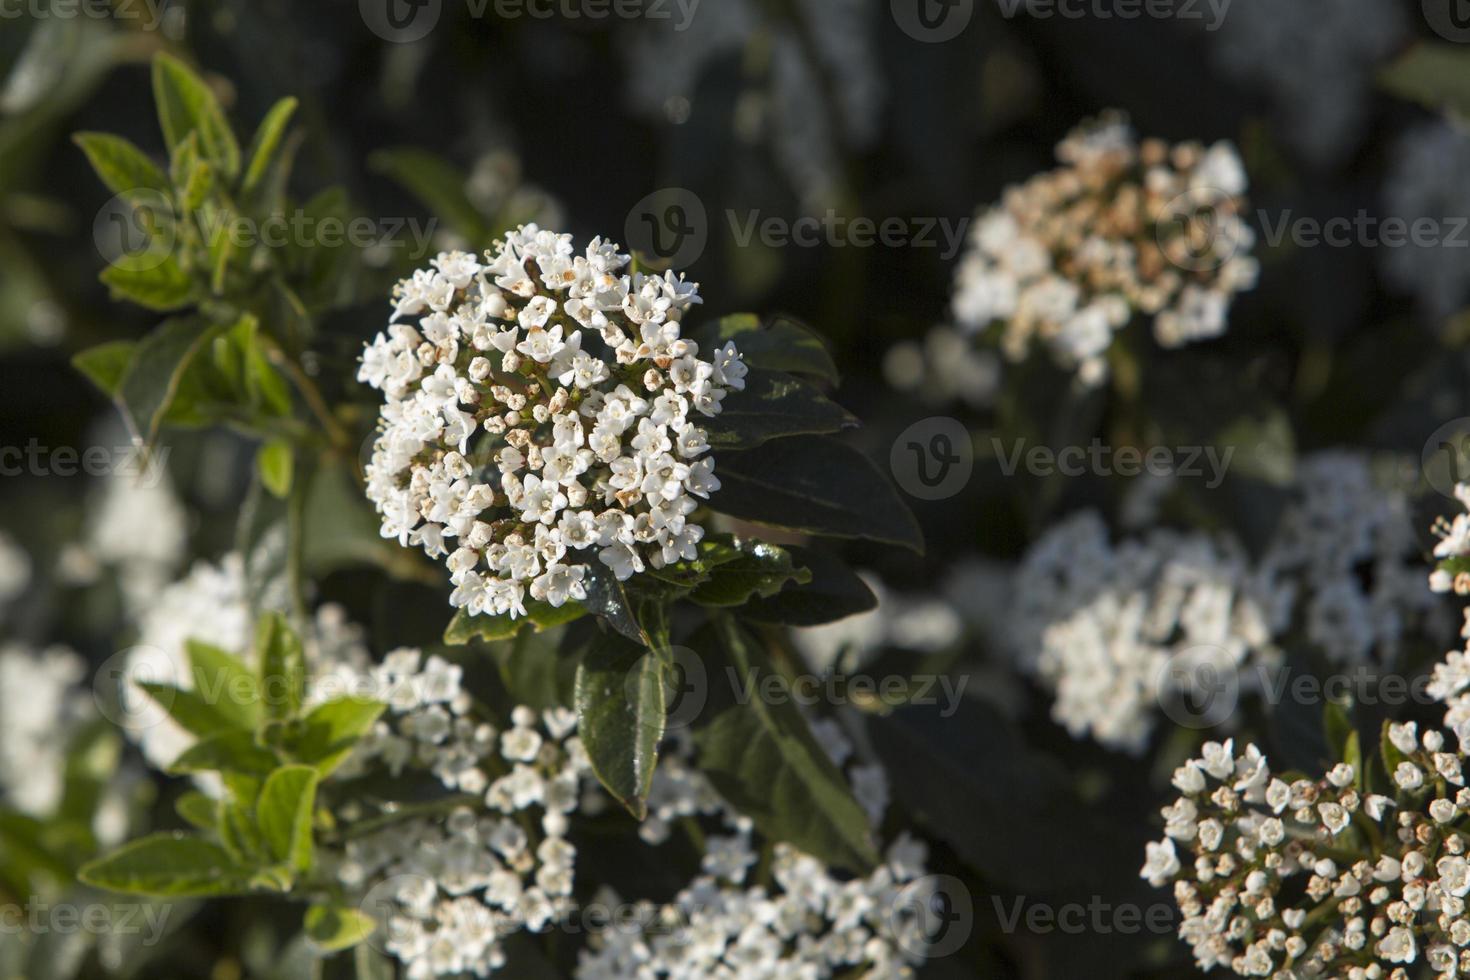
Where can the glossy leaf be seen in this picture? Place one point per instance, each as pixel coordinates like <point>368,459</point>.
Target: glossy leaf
<point>773,405</point>
<point>621,716</point>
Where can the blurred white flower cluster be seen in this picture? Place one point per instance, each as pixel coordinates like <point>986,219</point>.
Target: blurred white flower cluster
<point>1426,185</point>
<point>572,381</point>
<point>1315,61</point>
<point>1273,882</point>
<point>1114,629</point>
<point>448,889</point>
<point>42,705</point>
<point>1123,227</point>
<point>809,923</point>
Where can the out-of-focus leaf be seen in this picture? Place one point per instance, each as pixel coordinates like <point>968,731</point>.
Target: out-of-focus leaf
<point>187,105</point>
<point>121,165</point>
<point>105,364</point>
<point>284,814</point>
<point>439,185</point>
<point>1435,75</point>
<point>760,755</point>
<point>333,928</point>
<point>162,286</point>
<point>167,865</point>
<point>274,462</point>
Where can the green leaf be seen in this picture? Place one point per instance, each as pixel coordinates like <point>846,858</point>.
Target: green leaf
<point>226,682</point>
<point>540,616</point>
<point>148,389</point>
<point>333,928</point>
<point>757,569</point>
<point>274,462</point>
<point>105,364</point>
<point>782,344</point>
<point>265,148</point>
<point>284,814</point>
<point>621,716</point>
<point>771,406</point>
<point>187,105</point>
<point>157,284</point>
<point>1435,75</point>
<point>332,729</point>
<point>229,751</point>
<point>239,834</point>
<point>167,865</point>
<point>817,485</point>
<point>438,185</point>
<point>121,165</point>
<point>199,810</point>
<point>834,592</point>
<point>608,601</point>
<point>370,964</point>
<point>282,666</point>
<point>761,756</point>
<point>189,709</point>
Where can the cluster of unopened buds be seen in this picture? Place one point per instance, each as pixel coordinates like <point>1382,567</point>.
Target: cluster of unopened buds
<point>1318,878</point>
<point>1121,228</point>
<point>541,414</point>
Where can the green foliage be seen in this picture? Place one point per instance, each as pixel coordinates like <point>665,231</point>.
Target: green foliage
<point>620,703</point>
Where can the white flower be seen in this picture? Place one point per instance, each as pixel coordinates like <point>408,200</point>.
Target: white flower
<point>1162,863</point>
<point>494,472</point>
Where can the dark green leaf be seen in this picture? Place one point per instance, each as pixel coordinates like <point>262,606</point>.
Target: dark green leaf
<point>608,601</point>
<point>621,716</point>
<point>759,569</point>
<point>121,165</point>
<point>1435,75</point>
<point>771,406</point>
<point>817,485</point>
<point>782,344</point>
<point>539,616</point>
<point>761,756</point>
<point>167,865</point>
<point>199,810</point>
<point>189,709</point>
<point>835,592</point>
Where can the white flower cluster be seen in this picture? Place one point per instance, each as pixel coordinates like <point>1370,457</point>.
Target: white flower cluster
<point>137,526</point>
<point>1451,575</point>
<point>1424,184</point>
<point>15,570</point>
<point>449,889</point>
<point>1121,228</point>
<point>539,411</point>
<point>1316,878</point>
<point>1316,60</point>
<point>42,704</point>
<point>1115,628</point>
<point>808,924</point>
<point>1109,628</point>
